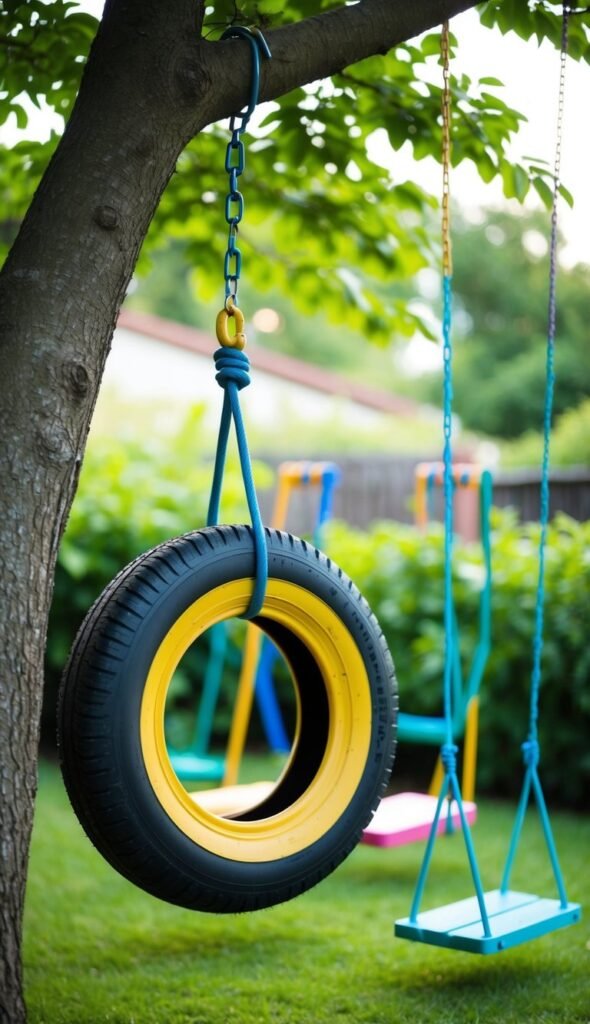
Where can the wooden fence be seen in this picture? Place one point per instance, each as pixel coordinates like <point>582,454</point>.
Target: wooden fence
<point>382,487</point>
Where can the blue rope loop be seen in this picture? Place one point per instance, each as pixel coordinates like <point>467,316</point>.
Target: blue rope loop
<point>232,375</point>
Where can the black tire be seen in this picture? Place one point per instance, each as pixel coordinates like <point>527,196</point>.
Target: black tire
<point>105,766</point>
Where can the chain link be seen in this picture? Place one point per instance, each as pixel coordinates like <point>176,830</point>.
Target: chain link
<point>446,152</point>
<point>235,160</point>
<point>557,172</point>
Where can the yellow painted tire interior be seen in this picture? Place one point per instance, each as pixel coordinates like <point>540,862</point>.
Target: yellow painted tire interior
<point>341,670</point>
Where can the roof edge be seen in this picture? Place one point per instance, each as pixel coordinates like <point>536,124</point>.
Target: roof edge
<point>295,371</point>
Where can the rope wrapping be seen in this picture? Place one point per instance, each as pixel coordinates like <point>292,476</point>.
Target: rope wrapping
<point>530,753</point>
<point>448,756</point>
<point>233,366</point>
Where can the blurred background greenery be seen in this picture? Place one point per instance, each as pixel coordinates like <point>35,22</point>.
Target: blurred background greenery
<point>500,319</point>
<point>135,493</point>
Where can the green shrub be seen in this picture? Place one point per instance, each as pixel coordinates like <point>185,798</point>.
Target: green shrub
<point>134,493</point>
<point>400,572</point>
<point>570,442</point>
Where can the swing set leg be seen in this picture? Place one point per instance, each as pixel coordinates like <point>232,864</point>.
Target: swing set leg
<point>243,709</point>
<point>470,750</point>
<point>469,757</point>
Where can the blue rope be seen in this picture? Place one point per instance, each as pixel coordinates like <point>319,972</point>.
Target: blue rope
<point>232,375</point>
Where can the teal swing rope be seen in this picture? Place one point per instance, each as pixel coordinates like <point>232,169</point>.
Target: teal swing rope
<point>448,753</point>
<point>530,748</point>
<point>231,363</point>
<point>450,786</point>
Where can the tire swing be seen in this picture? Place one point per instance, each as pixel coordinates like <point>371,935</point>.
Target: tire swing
<point>115,763</point>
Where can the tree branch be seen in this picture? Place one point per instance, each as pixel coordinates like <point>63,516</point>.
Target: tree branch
<point>317,47</point>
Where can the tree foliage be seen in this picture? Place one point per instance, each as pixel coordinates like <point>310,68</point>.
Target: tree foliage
<point>325,221</point>
<point>570,442</point>
<point>501,281</point>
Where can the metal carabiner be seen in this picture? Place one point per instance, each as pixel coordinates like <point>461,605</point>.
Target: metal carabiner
<point>230,311</point>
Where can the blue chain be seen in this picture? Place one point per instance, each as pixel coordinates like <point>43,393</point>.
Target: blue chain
<point>234,211</point>
<point>235,161</point>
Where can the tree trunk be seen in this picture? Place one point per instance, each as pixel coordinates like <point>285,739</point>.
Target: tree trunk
<point>150,84</point>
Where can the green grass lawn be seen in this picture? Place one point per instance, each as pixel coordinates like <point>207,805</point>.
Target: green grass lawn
<point>98,950</point>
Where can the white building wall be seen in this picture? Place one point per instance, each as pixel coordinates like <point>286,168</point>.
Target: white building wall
<point>140,368</point>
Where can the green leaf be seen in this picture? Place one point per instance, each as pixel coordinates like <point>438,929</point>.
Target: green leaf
<point>521,182</point>
<point>508,184</point>
<point>543,191</point>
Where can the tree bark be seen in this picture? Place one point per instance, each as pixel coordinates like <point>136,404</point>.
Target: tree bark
<point>151,83</point>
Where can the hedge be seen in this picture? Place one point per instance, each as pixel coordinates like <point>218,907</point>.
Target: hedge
<point>400,572</point>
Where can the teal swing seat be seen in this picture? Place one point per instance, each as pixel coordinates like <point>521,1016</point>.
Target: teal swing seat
<point>500,919</point>
<point>196,763</point>
<point>514,918</point>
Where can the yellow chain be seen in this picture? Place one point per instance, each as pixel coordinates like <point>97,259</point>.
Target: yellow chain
<point>447,258</point>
